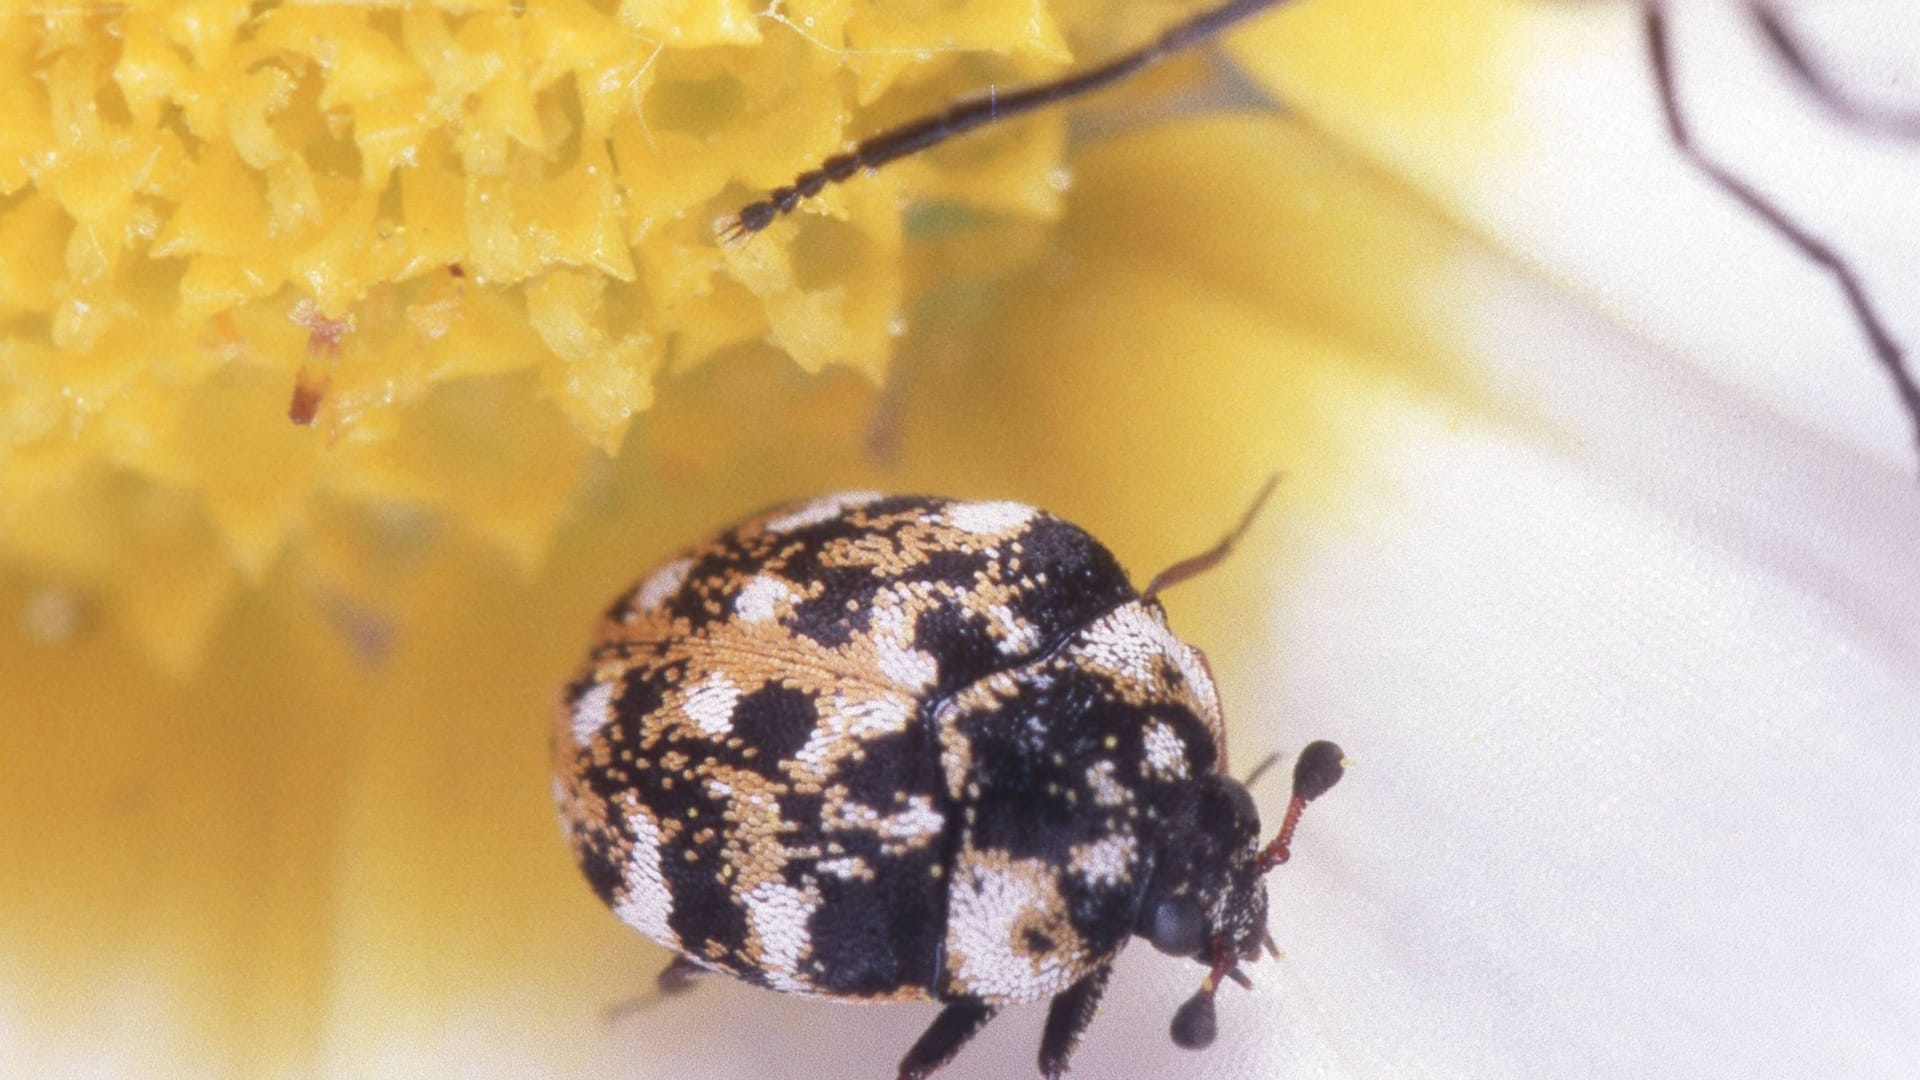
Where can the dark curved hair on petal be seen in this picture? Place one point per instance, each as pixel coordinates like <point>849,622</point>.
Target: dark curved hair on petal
<point>1888,351</point>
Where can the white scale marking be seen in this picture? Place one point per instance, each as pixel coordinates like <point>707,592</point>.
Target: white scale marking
<point>661,584</point>
<point>1106,787</point>
<point>778,915</point>
<point>841,720</point>
<point>825,508</point>
<point>1127,642</point>
<point>918,821</point>
<point>989,518</point>
<point>986,910</point>
<point>759,599</point>
<point>710,705</point>
<point>1016,639</point>
<point>592,712</point>
<point>1165,752</point>
<point>1108,861</point>
<point>907,667</point>
<point>645,903</point>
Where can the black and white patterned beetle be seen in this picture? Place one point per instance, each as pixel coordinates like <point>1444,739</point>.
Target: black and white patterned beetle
<point>911,749</point>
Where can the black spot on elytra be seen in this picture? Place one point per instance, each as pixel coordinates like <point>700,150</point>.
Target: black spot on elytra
<point>703,907</point>
<point>803,810</point>
<point>1037,942</point>
<point>873,937</point>
<point>842,608</point>
<point>642,695</point>
<point>776,720</point>
<point>891,765</point>
<point>965,650</point>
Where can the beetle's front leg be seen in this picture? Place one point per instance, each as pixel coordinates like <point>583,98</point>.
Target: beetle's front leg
<point>678,976</point>
<point>1067,1019</point>
<point>957,1023</point>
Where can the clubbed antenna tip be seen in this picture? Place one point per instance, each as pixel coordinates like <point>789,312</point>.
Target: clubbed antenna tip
<point>1320,766</point>
<point>1195,1023</point>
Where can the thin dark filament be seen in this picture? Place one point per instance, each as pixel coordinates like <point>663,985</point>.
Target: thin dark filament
<point>1831,96</point>
<point>1190,568</point>
<point>1261,769</point>
<point>1885,349</point>
<point>917,135</point>
<point>620,1010</point>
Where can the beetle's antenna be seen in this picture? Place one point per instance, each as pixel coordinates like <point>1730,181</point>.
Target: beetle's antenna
<point>1320,766</point>
<point>917,135</point>
<point>1194,1023</point>
<point>1187,569</point>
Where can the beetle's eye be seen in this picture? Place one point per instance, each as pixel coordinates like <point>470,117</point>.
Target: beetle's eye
<point>1179,927</point>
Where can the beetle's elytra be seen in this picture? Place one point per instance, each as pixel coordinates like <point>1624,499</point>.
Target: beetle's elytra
<point>913,749</point>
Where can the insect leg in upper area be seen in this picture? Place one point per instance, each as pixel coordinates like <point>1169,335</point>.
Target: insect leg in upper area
<point>917,135</point>
<point>1888,351</point>
<point>1777,30</point>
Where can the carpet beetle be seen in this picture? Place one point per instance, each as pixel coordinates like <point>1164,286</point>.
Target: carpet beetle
<point>883,748</point>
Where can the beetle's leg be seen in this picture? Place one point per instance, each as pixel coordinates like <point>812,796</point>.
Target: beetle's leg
<point>957,1023</point>
<point>917,135</point>
<point>1067,1019</point>
<point>674,979</point>
<point>677,977</point>
<point>1886,349</point>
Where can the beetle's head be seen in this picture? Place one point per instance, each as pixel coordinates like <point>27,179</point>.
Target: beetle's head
<point>1208,895</point>
<point>1207,885</point>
